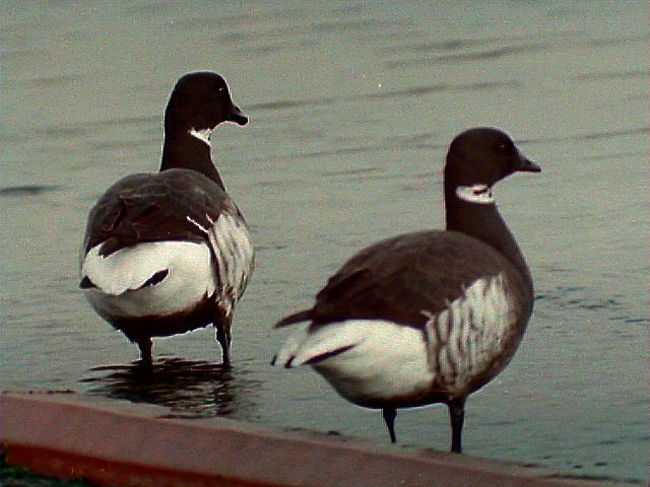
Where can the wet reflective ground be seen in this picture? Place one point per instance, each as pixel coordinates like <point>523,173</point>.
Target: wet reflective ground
<point>190,389</point>
<point>352,108</point>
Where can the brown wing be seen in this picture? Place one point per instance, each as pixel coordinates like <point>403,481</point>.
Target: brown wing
<point>398,278</point>
<point>176,204</point>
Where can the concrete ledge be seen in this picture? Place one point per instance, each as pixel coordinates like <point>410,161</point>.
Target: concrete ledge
<point>66,435</point>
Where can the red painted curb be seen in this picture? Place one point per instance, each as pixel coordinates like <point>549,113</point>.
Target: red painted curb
<point>117,443</point>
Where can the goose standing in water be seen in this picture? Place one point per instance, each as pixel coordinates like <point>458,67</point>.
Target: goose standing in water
<point>426,317</point>
<point>170,252</point>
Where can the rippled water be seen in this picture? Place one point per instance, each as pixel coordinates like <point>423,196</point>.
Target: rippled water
<point>352,108</point>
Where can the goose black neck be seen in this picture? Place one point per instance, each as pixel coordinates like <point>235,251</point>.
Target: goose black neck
<point>483,221</point>
<point>188,152</point>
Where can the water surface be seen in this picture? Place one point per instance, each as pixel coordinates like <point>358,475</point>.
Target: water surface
<point>352,108</point>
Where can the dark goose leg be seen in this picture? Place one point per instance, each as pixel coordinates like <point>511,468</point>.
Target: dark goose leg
<point>144,344</point>
<point>224,338</point>
<point>456,416</point>
<point>389,417</point>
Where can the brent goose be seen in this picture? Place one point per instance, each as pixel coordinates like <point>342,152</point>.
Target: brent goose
<point>169,252</point>
<point>432,316</point>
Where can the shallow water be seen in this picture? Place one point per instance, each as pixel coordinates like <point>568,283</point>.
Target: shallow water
<point>351,111</point>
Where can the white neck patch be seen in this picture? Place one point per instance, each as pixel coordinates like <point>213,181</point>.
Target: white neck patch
<point>477,193</point>
<point>203,135</point>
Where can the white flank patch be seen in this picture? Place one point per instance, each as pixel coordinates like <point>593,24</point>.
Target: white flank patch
<point>477,193</point>
<point>203,135</point>
<point>233,249</point>
<point>465,338</point>
<point>119,278</point>
<point>386,359</point>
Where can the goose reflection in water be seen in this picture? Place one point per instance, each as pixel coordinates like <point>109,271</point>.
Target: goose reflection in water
<point>189,389</point>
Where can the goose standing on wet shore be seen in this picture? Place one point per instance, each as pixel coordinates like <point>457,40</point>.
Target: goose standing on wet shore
<point>426,317</point>
<point>170,252</point>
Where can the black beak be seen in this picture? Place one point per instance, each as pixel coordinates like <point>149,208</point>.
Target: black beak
<point>526,165</point>
<point>236,116</point>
